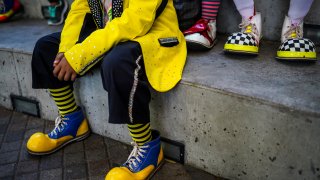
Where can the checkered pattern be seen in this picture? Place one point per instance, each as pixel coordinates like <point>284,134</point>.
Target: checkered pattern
<point>297,45</point>
<point>242,39</point>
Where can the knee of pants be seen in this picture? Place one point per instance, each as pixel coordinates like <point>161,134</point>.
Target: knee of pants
<point>39,48</point>
<point>113,70</point>
<point>41,45</point>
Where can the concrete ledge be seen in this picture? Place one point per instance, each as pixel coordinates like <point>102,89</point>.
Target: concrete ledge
<point>239,117</point>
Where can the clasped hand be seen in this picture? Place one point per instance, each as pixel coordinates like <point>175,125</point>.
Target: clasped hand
<point>62,69</point>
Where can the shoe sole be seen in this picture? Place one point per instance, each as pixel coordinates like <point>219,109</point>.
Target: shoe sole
<point>195,45</point>
<point>228,51</point>
<point>76,139</point>
<point>297,59</point>
<point>156,170</point>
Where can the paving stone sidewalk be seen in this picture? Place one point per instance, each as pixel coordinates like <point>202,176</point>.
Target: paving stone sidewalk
<point>89,159</point>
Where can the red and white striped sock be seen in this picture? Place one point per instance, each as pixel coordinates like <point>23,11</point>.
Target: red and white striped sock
<point>210,9</point>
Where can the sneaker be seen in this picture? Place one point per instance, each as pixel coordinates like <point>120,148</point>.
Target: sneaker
<point>71,127</point>
<point>8,9</point>
<point>202,35</point>
<point>55,13</point>
<point>247,41</point>
<point>142,163</point>
<point>293,45</point>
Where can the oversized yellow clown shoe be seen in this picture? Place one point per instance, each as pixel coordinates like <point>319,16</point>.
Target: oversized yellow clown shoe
<point>71,127</point>
<point>142,163</point>
<point>246,41</point>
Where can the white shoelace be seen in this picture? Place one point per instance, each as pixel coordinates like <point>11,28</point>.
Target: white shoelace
<point>135,155</point>
<point>293,32</point>
<point>253,31</point>
<point>59,125</point>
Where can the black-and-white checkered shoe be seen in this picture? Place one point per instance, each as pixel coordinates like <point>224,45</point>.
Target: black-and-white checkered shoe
<point>293,45</point>
<point>297,49</point>
<point>241,43</point>
<point>246,41</point>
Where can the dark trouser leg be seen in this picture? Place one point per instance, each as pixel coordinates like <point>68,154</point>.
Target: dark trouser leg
<point>45,52</point>
<point>43,56</point>
<point>123,76</point>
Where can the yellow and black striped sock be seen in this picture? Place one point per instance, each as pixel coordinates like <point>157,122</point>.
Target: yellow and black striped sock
<point>64,99</point>
<point>140,133</point>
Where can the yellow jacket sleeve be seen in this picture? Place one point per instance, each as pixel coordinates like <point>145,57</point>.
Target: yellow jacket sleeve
<point>136,20</point>
<point>73,24</point>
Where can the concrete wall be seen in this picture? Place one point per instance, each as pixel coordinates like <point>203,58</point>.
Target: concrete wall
<point>220,130</point>
<point>16,78</point>
<point>273,13</point>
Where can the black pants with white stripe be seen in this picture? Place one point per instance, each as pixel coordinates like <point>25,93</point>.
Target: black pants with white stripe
<point>122,71</point>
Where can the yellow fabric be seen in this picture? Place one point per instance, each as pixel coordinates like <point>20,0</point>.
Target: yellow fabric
<point>64,112</point>
<point>164,65</point>
<point>73,24</point>
<point>134,125</point>
<point>135,130</point>
<point>64,99</point>
<point>294,55</point>
<point>62,93</point>
<point>64,102</point>
<point>59,90</point>
<point>140,134</point>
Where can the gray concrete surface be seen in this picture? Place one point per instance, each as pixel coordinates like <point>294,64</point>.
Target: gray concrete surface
<point>89,159</point>
<point>239,117</point>
<point>273,13</point>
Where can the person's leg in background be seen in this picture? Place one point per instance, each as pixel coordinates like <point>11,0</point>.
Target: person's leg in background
<point>124,78</point>
<point>294,46</point>
<point>245,8</point>
<point>202,35</point>
<point>9,8</point>
<point>55,12</point>
<point>247,40</point>
<point>298,10</point>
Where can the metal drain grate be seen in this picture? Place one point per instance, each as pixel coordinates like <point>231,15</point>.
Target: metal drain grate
<point>25,105</point>
<point>173,150</point>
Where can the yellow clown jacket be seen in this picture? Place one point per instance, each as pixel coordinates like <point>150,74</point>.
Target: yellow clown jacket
<point>164,65</point>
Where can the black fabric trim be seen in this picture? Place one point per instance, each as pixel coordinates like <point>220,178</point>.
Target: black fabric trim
<point>87,28</point>
<point>97,12</point>
<point>161,8</point>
